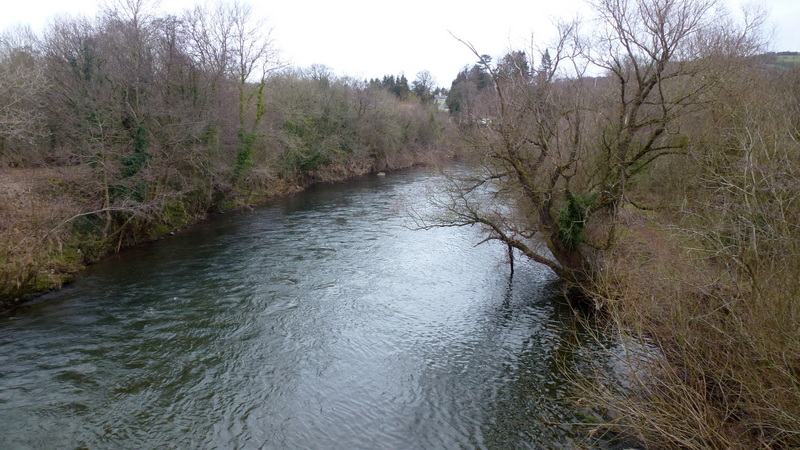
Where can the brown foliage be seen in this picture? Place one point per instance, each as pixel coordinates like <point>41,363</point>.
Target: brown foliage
<point>707,294</point>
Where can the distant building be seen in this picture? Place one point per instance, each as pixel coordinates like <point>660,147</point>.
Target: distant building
<point>441,101</point>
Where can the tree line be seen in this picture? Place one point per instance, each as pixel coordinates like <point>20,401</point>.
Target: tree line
<point>177,115</point>
<point>422,88</point>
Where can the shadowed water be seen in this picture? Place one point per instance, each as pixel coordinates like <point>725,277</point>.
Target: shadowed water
<point>320,321</point>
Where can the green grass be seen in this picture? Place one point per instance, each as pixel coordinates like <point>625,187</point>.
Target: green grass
<point>791,59</point>
<point>787,61</point>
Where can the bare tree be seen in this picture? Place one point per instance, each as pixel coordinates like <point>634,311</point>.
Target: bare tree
<point>422,86</point>
<point>230,41</point>
<point>22,82</point>
<point>529,140</point>
<point>227,39</point>
<point>647,49</point>
<point>558,150</point>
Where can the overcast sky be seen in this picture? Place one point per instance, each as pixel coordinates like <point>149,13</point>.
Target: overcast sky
<point>369,39</point>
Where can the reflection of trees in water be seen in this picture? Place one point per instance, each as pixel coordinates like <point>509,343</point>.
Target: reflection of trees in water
<point>532,407</point>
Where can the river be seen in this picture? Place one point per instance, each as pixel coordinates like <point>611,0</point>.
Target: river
<point>320,321</point>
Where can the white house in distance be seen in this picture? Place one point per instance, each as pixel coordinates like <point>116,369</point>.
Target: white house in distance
<point>441,101</point>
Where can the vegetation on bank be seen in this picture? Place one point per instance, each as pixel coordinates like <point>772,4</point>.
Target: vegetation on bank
<point>703,291</point>
<point>664,191</point>
<point>120,129</point>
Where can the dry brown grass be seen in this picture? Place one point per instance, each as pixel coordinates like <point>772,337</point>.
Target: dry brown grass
<point>33,212</point>
<point>704,293</point>
<point>706,356</point>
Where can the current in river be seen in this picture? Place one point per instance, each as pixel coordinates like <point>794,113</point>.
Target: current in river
<point>320,321</point>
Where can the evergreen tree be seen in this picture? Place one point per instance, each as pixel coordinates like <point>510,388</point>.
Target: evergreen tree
<point>546,66</point>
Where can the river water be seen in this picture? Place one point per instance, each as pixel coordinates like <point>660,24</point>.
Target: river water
<point>320,321</point>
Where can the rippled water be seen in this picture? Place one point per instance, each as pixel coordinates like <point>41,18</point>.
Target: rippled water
<point>321,321</point>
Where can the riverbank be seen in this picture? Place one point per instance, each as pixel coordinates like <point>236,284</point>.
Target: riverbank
<point>52,221</point>
<point>707,347</point>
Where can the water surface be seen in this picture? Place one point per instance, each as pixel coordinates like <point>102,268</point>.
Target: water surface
<point>319,321</point>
